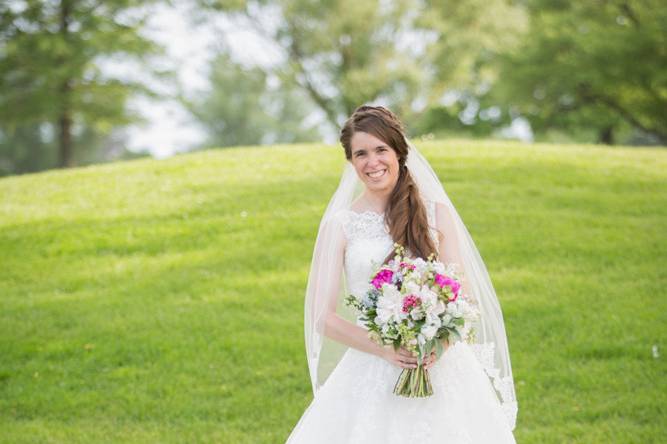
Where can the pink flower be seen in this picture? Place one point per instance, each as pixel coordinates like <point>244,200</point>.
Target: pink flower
<point>410,301</point>
<point>383,276</point>
<point>443,281</point>
<point>405,265</point>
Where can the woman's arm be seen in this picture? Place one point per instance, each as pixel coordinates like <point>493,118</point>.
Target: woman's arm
<point>448,246</point>
<point>353,335</point>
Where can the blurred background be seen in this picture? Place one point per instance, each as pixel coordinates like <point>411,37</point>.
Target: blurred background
<point>88,81</point>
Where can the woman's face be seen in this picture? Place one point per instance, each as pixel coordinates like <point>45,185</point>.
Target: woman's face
<point>376,162</point>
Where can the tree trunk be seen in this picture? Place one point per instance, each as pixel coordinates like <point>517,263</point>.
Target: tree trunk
<point>65,116</point>
<point>606,135</point>
<point>65,139</point>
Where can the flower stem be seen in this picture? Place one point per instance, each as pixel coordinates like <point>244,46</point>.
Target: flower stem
<point>414,383</point>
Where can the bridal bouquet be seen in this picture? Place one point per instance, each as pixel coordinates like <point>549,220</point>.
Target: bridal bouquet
<point>415,304</point>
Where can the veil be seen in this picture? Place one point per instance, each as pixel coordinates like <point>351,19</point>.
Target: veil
<point>326,285</point>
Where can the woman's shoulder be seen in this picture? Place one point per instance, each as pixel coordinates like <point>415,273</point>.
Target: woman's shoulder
<point>340,220</point>
<point>442,217</point>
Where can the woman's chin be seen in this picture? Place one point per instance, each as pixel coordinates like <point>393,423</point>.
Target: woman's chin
<point>377,186</point>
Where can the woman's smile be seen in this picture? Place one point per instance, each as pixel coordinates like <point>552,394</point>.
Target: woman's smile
<point>377,174</point>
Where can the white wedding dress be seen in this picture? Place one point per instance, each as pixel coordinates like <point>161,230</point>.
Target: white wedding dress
<point>356,404</point>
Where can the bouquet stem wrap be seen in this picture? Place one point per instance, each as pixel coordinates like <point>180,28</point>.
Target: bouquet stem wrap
<point>414,383</point>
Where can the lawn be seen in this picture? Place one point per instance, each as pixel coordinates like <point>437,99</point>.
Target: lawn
<point>162,300</point>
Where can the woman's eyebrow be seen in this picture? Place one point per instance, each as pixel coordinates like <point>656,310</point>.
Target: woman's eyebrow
<point>361,149</point>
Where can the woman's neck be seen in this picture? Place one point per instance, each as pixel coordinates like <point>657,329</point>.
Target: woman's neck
<point>374,201</point>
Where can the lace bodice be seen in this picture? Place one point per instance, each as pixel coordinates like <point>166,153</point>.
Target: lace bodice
<point>368,243</point>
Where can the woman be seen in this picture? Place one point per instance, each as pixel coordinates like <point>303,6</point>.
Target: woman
<point>389,193</point>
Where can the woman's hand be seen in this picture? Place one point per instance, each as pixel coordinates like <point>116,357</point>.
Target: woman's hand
<point>401,357</point>
<point>429,361</point>
<point>406,359</point>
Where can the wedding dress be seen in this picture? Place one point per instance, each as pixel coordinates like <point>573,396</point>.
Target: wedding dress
<point>356,404</point>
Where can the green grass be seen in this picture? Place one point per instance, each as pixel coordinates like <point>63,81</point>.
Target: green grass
<point>138,304</point>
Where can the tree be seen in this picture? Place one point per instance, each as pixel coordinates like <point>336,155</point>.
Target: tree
<point>404,54</point>
<point>25,148</point>
<point>242,107</point>
<point>463,39</point>
<point>596,65</point>
<point>340,53</point>
<point>50,54</point>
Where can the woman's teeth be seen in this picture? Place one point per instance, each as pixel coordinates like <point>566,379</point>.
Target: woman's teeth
<point>376,174</point>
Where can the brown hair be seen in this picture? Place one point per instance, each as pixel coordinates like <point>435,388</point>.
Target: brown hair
<point>405,213</point>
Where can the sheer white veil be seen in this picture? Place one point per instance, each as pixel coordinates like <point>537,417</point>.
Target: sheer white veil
<point>327,288</point>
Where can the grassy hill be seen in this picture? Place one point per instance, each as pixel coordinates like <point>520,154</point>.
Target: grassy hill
<point>161,300</point>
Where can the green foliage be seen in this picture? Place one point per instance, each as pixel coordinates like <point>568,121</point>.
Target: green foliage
<point>50,75</point>
<point>466,38</point>
<point>578,71</point>
<point>345,59</point>
<point>404,54</point>
<point>595,66</point>
<point>162,301</point>
<point>24,148</point>
<point>345,53</point>
<point>241,108</point>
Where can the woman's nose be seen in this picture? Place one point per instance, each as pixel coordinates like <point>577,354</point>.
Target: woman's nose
<point>373,160</point>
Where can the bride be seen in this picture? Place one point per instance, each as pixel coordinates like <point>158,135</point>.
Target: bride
<point>388,193</point>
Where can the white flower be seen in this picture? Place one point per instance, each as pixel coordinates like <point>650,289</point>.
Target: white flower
<point>420,264</point>
<point>428,297</point>
<point>429,331</point>
<point>385,328</point>
<point>455,310</point>
<point>390,305</point>
<point>411,287</point>
<point>416,314</point>
<point>432,306</point>
<point>439,268</point>
<point>433,319</point>
<point>439,308</point>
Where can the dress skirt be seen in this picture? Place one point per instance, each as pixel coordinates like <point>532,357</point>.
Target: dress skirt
<point>356,405</point>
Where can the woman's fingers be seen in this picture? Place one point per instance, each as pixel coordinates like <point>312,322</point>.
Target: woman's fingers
<point>409,363</point>
<point>407,356</point>
<point>403,352</point>
<point>406,359</point>
<point>430,360</point>
<point>400,357</point>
